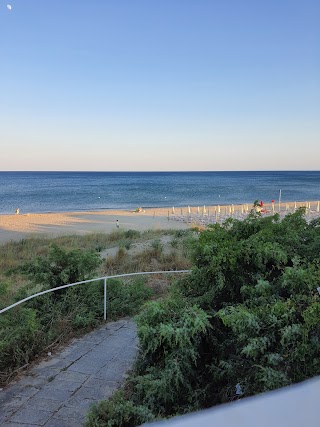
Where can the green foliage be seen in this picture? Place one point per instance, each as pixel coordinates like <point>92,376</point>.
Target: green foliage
<point>248,315</point>
<point>119,412</point>
<point>125,299</point>
<point>19,332</point>
<point>171,334</point>
<point>157,246</point>
<point>27,330</point>
<point>60,267</point>
<point>132,234</point>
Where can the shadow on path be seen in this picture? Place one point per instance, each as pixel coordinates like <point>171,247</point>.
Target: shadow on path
<point>59,391</point>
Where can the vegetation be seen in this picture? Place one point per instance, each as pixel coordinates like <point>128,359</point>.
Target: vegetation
<point>247,320</point>
<point>36,264</point>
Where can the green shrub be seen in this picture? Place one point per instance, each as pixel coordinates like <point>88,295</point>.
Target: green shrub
<point>248,316</point>
<point>132,234</point>
<point>118,411</point>
<point>62,267</point>
<point>125,299</point>
<point>171,334</point>
<point>157,246</point>
<point>20,338</point>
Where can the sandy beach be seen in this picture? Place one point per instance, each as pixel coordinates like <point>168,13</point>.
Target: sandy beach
<point>16,227</point>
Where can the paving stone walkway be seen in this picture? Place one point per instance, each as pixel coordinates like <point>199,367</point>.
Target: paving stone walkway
<point>59,391</point>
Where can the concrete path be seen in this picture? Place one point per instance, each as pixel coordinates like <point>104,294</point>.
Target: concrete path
<point>58,392</point>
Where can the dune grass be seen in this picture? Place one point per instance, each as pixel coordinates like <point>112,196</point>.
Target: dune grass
<point>34,264</point>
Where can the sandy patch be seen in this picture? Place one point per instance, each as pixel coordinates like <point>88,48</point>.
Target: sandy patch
<point>139,247</point>
<point>15,227</point>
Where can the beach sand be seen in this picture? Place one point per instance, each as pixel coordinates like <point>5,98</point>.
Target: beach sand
<point>16,227</point>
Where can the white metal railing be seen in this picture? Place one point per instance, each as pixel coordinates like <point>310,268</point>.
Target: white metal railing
<point>104,278</point>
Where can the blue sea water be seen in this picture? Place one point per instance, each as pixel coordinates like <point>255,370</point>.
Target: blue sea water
<point>74,191</point>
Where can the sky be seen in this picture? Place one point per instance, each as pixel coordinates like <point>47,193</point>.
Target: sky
<point>159,85</point>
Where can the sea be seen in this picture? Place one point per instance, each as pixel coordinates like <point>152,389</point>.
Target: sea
<point>84,191</point>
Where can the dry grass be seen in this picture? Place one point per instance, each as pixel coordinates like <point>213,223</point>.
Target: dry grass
<point>175,256</point>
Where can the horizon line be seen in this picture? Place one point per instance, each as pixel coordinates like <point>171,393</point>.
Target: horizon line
<point>159,171</point>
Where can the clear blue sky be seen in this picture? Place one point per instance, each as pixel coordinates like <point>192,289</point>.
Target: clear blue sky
<point>159,85</point>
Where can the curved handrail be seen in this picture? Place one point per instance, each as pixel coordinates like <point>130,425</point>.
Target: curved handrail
<point>104,278</point>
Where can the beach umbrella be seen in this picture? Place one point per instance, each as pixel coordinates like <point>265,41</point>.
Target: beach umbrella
<point>318,207</point>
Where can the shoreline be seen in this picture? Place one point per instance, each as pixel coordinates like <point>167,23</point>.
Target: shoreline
<point>17,226</point>
<point>158,209</point>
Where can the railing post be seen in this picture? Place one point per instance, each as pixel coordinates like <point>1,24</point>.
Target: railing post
<point>105,298</point>
<point>90,281</point>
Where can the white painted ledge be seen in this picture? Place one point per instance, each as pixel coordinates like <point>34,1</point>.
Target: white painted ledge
<point>294,406</point>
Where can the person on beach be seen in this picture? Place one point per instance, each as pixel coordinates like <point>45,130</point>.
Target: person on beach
<point>261,205</point>
<point>117,223</point>
<point>17,211</point>
<point>257,206</point>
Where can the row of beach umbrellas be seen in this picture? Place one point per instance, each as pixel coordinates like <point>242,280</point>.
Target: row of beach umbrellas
<point>222,212</point>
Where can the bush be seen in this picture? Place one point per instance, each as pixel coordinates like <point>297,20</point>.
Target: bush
<point>20,338</point>
<point>125,299</point>
<point>62,267</point>
<point>118,412</point>
<point>132,234</point>
<point>248,317</point>
<point>27,329</point>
